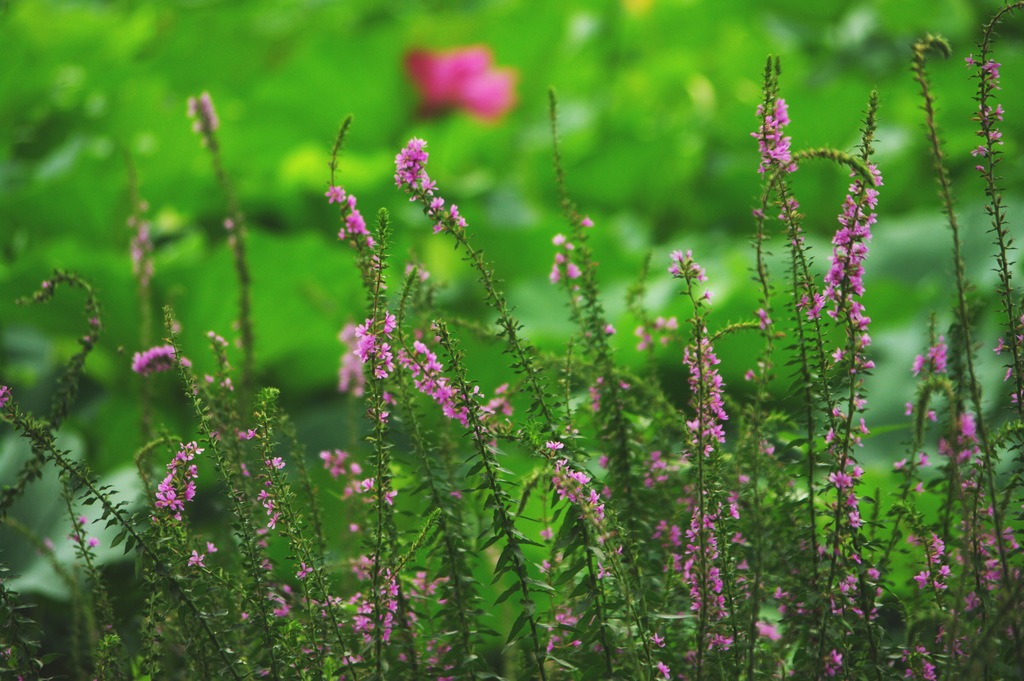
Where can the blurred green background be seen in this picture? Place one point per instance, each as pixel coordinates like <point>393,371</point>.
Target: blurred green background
<point>657,102</point>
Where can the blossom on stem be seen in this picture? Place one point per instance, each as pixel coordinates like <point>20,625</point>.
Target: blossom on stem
<point>141,249</point>
<point>844,283</point>
<point>428,378</point>
<point>774,146</point>
<point>411,177</point>
<point>372,349</point>
<point>179,485</point>
<point>706,386</point>
<point>353,226</point>
<point>350,373</point>
<point>204,117</point>
<point>156,359</point>
<point>563,264</point>
<point>572,485</point>
<point>934,360</point>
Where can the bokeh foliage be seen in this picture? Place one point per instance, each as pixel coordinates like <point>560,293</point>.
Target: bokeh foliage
<point>657,102</point>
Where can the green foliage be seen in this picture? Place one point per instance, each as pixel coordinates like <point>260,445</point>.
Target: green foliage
<point>508,490</point>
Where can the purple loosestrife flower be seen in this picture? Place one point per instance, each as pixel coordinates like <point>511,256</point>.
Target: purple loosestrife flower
<point>700,359</point>
<point>706,384</point>
<point>353,226</point>
<point>987,116</point>
<point>179,485</point>
<point>844,283</point>
<point>141,249</point>
<point>698,568</point>
<point>350,374</point>
<point>372,349</point>
<point>937,571</point>
<point>833,663</point>
<point>684,267</point>
<point>573,486</point>
<point>159,358</point>
<point>410,168</point>
<point>934,361</point>
<point>204,117</point>
<point>563,263</point>
<point>366,619</point>
<point>411,177</point>
<point>705,381</point>
<point>562,630</point>
<point>428,378</point>
<point>5,396</point>
<point>774,146</point>
<point>334,462</point>
<point>267,496</point>
<point>662,325</point>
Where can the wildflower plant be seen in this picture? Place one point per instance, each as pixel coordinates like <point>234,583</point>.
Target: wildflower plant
<point>583,518</point>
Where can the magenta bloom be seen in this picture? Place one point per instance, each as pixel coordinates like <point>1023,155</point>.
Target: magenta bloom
<point>160,358</point>
<point>462,78</point>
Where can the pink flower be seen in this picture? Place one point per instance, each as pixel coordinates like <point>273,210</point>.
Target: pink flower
<point>768,631</point>
<point>160,358</point>
<point>196,559</point>
<point>462,78</point>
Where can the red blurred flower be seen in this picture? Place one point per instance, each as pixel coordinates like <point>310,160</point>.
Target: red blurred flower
<point>462,78</point>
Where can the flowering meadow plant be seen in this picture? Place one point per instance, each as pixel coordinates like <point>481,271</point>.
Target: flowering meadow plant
<point>582,519</point>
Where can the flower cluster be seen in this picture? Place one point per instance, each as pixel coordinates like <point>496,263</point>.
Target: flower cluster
<point>572,485</point>
<point>934,361</point>
<point>987,115</point>
<point>937,571</point>
<point>334,463</point>
<point>179,485</point>
<point>665,327</point>
<point>919,664</point>
<point>844,282</point>
<point>427,376</point>
<point>411,177</point>
<point>850,243</point>
<point>706,385</point>
<point>5,396</point>
<point>79,535</point>
<point>563,632</point>
<point>563,266</point>
<point>371,349</point>
<point>204,118</point>
<point>353,224</point>
<point>700,571</point>
<point>196,559</point>
<point>367,619</point>
<point>684,267</point>
<point>773,145</point>
<point>964,448</point>
<point>1018,338</point>
<point>411,168</point>
<point>156,359</point>
<point>141,248</point>
<point>350,373</point>
<point>266,496</point>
